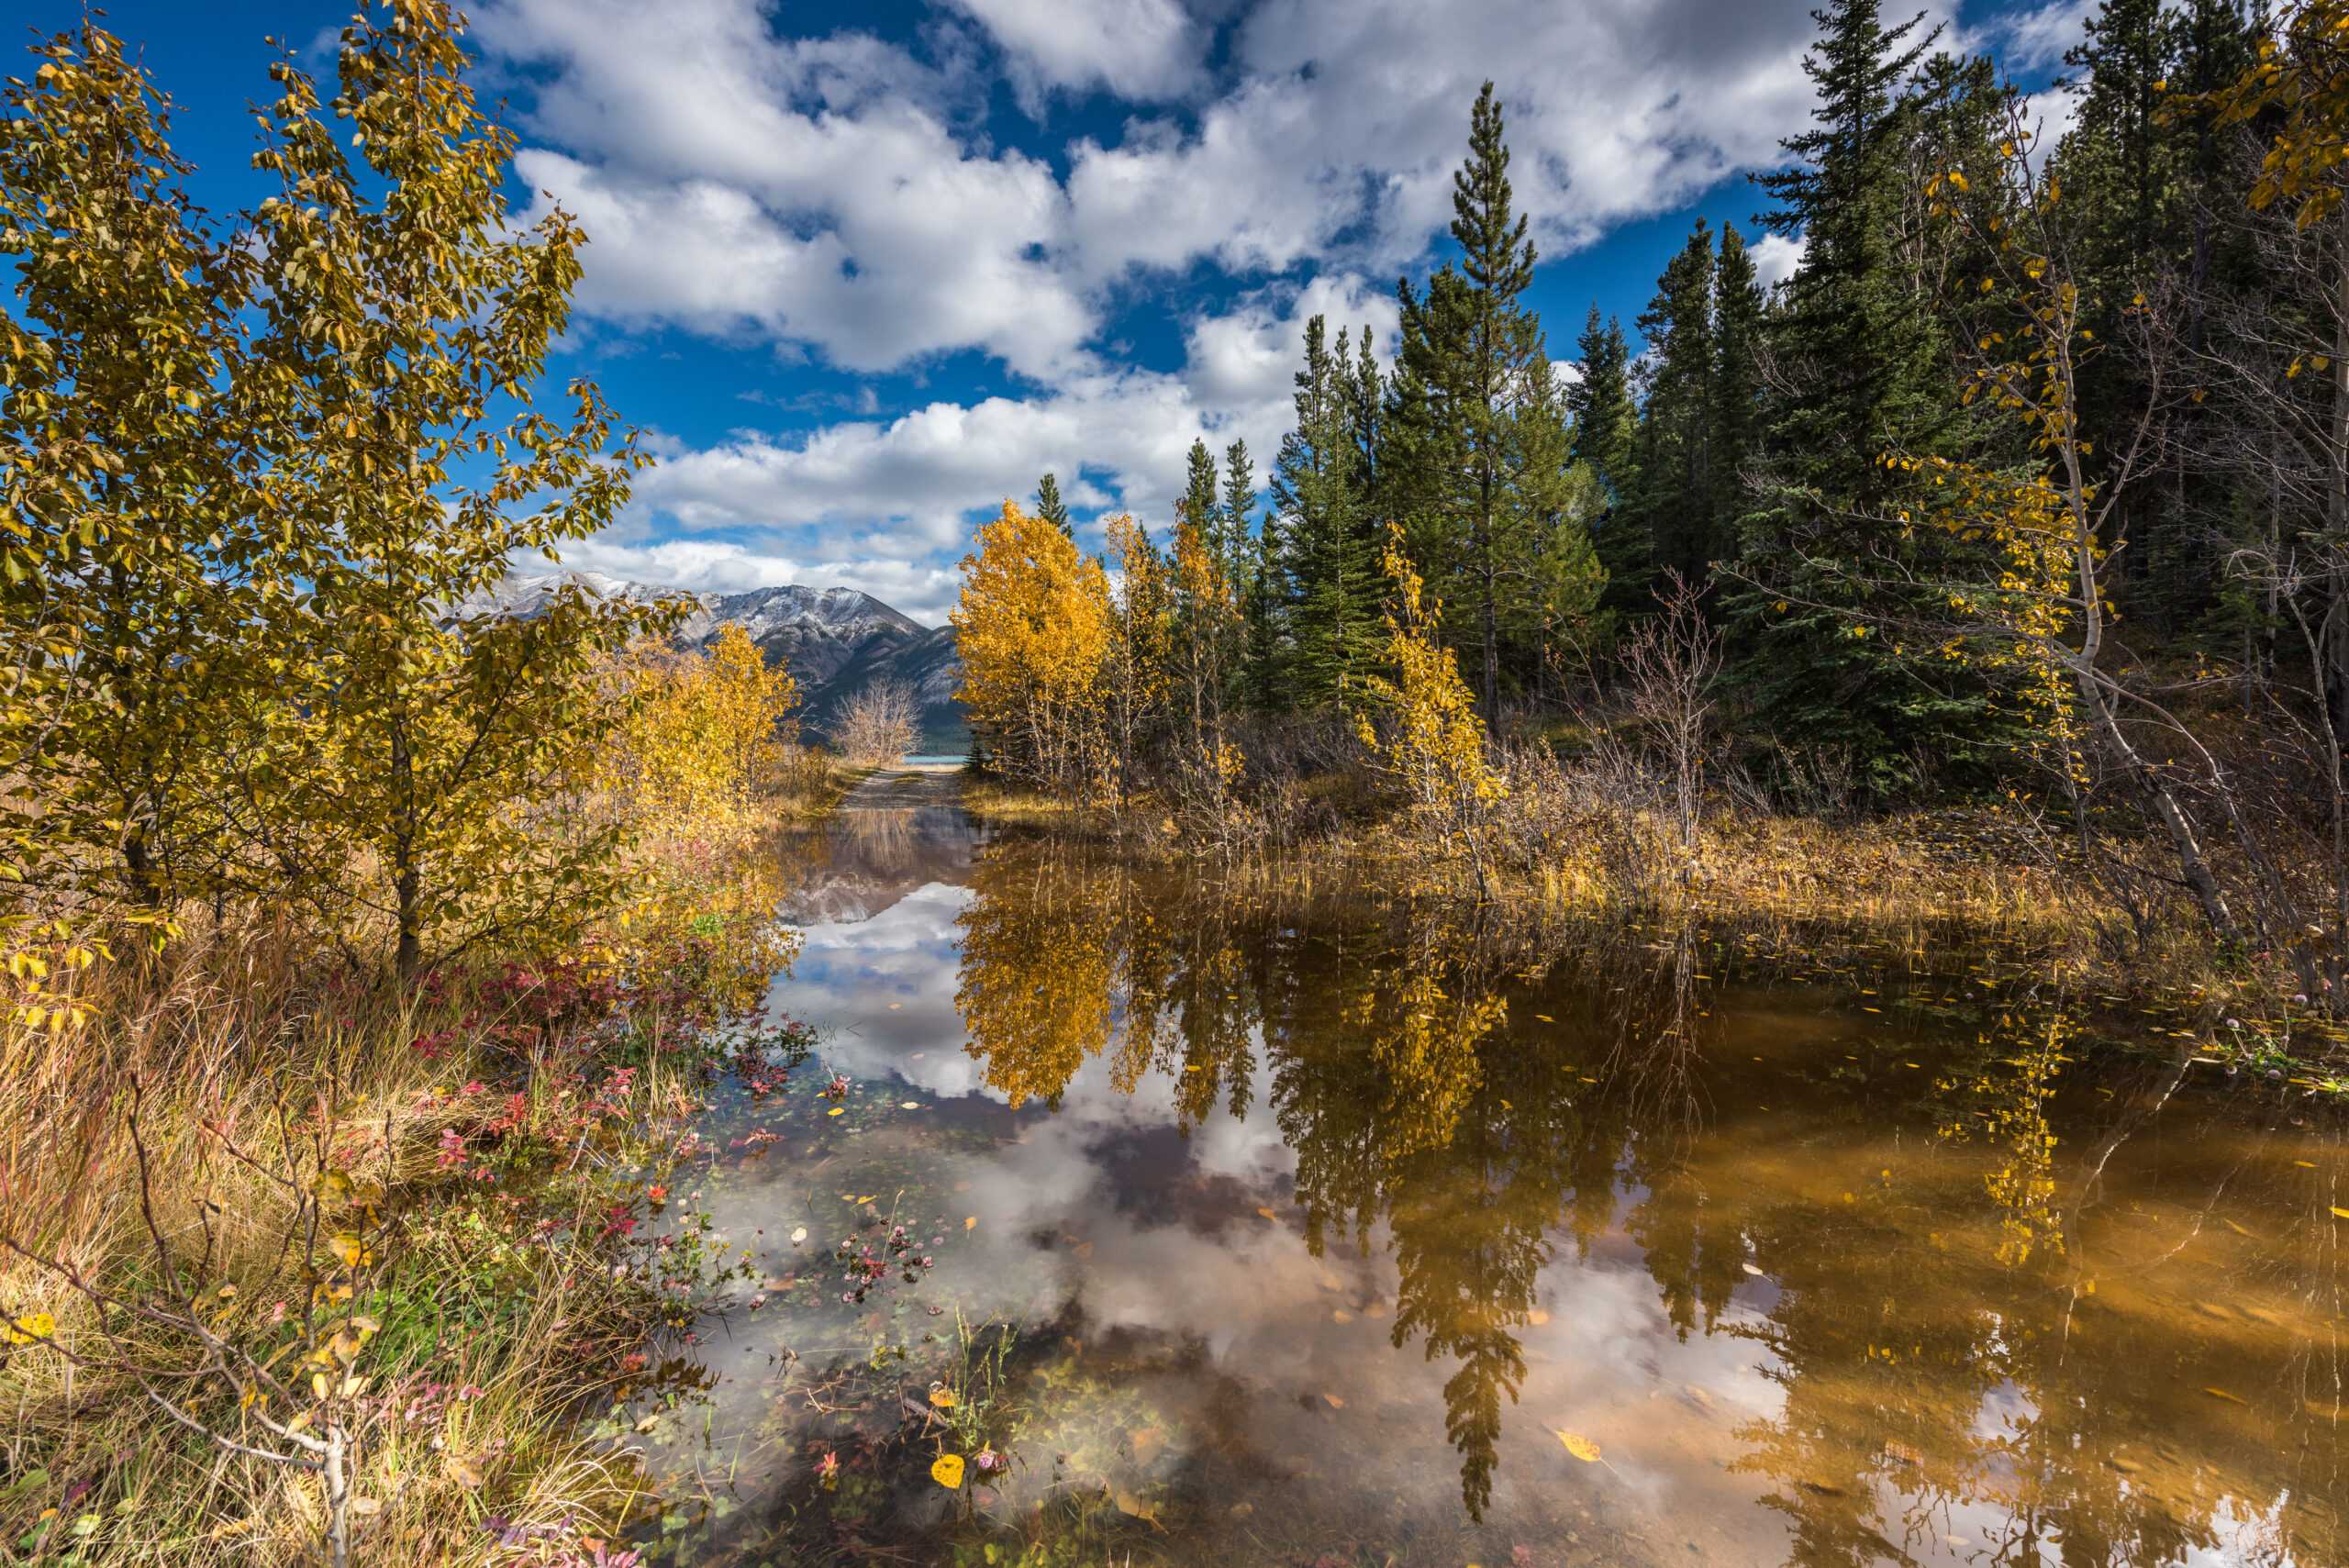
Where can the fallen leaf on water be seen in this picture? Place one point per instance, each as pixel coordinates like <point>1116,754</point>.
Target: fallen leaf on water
<point>1085,1249</point>
<point>2222,1393</point>
<point>948,1470</point>
<point>971,1223</point>
<point>910,1105</point>
<point>1268,1214</point>
<point>837,1111</point>
<point>1537,1317</point>
<point>942,1398</point>
<point>1751,1269</point>
<point>649,1422</point>
<point>1342,1316</point>
<point>800,1234</point>
<point>1129,1504</point>
<point>868,1197</point>
<point>463,1474</point>
<point>2339,1212</point>
<point>1375,1309</point>
<point>895,1006</point>
<point>2304,1164</point>
<point>1581,1447</point>
<point>1335,1403</point>
<point>2239,1229</point>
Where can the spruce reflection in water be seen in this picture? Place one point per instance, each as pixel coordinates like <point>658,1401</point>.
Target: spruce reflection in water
<point>1934,1278</point>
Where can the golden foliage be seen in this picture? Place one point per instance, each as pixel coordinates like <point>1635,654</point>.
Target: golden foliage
<point>708,737</point>
<point>1036,633</point>
<point>1436,747</point>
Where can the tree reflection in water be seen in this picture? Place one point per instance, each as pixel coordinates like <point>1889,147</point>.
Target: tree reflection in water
<point>1992,1297</point>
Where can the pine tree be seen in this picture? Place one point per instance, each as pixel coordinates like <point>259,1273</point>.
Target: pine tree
<point>1477,456</point>
<point>1738,327</point>
<point>1234,520</point>
<point>1676,450</point>
<point>1605,440</point>
<point>1329,556</point>
<point>1050,508</point>
<point>1864,372</point>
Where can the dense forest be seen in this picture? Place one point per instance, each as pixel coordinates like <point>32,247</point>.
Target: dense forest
<point>2029,482</point>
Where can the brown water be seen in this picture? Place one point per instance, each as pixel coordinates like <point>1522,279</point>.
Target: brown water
<point>1308,1227</point>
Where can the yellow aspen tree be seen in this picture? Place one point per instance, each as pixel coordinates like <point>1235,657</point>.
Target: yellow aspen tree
<point>411,756</point>
<point>1434,744</point>
<point>1036,633</point>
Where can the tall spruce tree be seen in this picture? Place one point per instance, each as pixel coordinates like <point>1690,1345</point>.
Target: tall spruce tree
<point>1475,457</point>
<point>1738,327</point>
<point>1199,504</point>
<point>1606,440</point>
<point>1677,414</point>
<point>1050,506</point>
<point>1329,551</point>
<point>1863,372</point>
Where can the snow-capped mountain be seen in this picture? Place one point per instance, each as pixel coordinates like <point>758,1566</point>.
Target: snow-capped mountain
<point>834,640</point>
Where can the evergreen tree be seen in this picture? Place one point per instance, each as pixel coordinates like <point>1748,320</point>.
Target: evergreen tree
<point>1198,503</point>
<point>1477,455</point>
<point>1049,507</point>
<point>1676,416</point>
<point>1606,437</point>
<point>1238,502</point>
<point>1864,371</point>
<point>1738,327</point>
<point>1329,554</point>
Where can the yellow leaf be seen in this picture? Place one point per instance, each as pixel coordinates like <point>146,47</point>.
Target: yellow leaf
<point>26,1330</point>
<point>944,1398</point>
<point>948,1470</point>
<point>836,1110</point>
<point>2339,1212</point>
<point>1335,1403</point>
<point>1268,1214</point>
<point>1581,1447</point>
<point>970,1222</point>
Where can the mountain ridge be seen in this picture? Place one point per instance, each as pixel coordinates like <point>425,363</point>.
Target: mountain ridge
<point>833,640</point>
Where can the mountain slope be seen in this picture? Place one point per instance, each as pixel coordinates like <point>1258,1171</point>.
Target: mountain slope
<point>833,640</point>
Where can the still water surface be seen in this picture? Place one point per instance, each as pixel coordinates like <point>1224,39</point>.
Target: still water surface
<point>1321,1221</point>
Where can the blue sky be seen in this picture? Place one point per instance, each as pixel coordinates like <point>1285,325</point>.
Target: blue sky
<point>861,272</point>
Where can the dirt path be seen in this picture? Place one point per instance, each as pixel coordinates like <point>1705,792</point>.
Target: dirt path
<point>907,785</point>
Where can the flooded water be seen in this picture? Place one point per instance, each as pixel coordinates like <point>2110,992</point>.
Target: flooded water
<point>1308,1225</point>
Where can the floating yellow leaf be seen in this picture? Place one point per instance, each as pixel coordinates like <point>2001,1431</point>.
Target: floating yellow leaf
<point>948,1470</point>
<point>1581,1447</point>
<point>1268,1214</point>
<point>970,1222</point>
<point>1129,1504</point>
<point>1537,1317</point>
<point>2339,1212</point>
<point>2222,1393</point>
<point>1335,1403</point>
<point>942,1398</point>
<point>836,1110</point>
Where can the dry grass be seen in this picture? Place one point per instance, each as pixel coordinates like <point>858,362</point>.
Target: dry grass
<point>241,1065</point>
